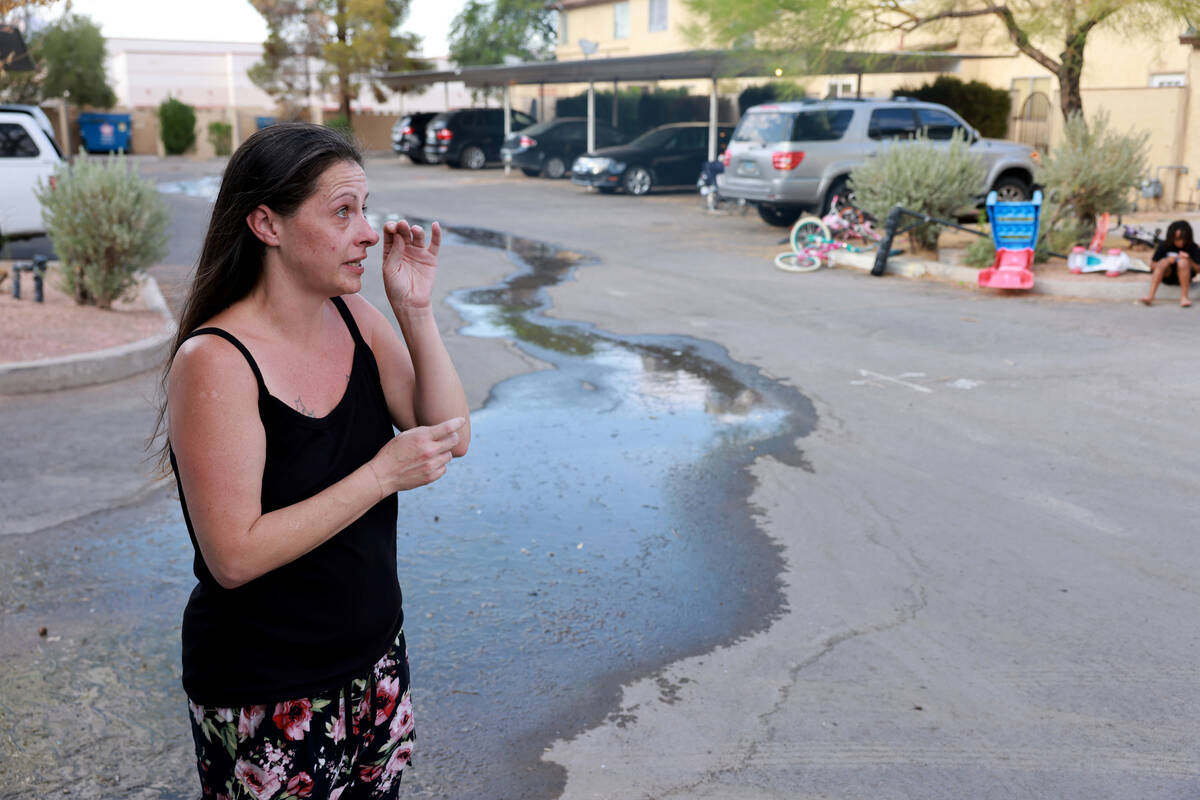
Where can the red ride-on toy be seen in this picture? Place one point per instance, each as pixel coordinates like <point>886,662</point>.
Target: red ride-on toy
<point>1014,232</point>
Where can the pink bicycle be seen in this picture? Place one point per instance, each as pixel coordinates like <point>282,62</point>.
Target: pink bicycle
<point>813,239</point>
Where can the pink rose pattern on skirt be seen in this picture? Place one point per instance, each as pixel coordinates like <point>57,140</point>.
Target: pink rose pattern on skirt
<point>304,748</point>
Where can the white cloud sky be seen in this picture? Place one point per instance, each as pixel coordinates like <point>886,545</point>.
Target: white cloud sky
<point>233,20</point>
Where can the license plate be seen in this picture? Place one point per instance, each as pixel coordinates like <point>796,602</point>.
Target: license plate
<point>747,168</point>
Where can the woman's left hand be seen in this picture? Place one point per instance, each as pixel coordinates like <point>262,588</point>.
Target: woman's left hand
<point>410,263</point>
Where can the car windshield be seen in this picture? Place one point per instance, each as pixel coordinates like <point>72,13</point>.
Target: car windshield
<point>764,127</point>
<point>652,138</point>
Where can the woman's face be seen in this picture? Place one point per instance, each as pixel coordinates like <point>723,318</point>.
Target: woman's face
<point>325,241</point>
<point>1180,240</point>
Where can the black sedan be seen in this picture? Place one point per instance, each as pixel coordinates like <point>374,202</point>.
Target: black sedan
<point>670,155</point>
<point>549,148</point>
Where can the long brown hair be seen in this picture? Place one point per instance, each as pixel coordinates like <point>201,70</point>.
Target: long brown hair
<point>277,167</point>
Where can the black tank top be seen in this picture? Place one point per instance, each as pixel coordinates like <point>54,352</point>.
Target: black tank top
<point>310,625</point>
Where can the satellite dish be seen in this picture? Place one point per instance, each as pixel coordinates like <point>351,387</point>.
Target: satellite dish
<point>588,46</point>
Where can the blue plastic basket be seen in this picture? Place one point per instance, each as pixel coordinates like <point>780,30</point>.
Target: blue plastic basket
<point>1014,225</point>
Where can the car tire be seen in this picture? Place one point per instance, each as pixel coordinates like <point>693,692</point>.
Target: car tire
<point>839,188</point>
<point>554,168</point>
<point>473,157</point>
<point>779,216</point>
<point>532,173</point>
<point>637,181</point>
<point>1011,189</point>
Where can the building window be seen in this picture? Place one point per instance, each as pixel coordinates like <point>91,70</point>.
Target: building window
<point>560,19</point>
<point>1168,79</point>
<point>658,15</point>
<point>621,20</point>
<point>840,87</point>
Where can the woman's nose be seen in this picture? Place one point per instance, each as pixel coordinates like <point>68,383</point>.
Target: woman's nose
<point>369,234</point>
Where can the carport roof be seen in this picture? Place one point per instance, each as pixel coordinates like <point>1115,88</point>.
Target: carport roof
<point>686,65</point>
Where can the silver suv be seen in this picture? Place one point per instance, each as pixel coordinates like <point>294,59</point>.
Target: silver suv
<point>791,157</point>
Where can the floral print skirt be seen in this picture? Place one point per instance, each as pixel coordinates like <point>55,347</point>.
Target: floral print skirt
<point>309,748</point>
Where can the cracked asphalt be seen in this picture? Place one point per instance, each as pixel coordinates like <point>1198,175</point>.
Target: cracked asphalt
<point>986,543</point>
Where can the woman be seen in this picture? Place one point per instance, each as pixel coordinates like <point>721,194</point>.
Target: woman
<point>1175,261</point>
<point>281,395</point>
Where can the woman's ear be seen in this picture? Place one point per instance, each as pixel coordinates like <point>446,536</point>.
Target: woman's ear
<point>262,222</point>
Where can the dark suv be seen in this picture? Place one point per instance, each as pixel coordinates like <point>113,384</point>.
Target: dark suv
<point>408,135</point>
<point>469,137</point>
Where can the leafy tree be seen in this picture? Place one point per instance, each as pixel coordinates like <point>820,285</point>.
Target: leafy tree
<point>73,53</point>
<point>11,5</point>
<point>485,32</point>
<point>810,30</point>
<point>70,56</point>
<point>317,44</point>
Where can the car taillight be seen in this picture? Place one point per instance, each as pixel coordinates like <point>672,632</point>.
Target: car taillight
<point>726,157</point>
<point>527,142</point>
<point>408,131</point>
<point>788,160</point>
<point>445,135</point>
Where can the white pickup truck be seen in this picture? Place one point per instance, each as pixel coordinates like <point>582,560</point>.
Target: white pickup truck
<point>27,152</point>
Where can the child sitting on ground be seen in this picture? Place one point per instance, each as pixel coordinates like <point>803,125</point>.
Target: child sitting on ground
<point>1175,261</point>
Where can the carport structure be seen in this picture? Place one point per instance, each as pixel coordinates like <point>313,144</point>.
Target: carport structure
<point>710,65</point>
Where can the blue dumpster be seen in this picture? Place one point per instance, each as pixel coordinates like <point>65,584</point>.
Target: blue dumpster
<point>263,122</point>
<point>105,133</point>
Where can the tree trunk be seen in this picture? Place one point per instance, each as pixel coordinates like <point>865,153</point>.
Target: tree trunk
<point>1071,68</point>
<point>343,69</point>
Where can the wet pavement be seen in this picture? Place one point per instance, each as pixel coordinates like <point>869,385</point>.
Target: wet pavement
<point>598,531</point>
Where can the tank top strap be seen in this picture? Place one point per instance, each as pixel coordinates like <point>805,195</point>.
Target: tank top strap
<point>233,340</point>
<point>348,318</point>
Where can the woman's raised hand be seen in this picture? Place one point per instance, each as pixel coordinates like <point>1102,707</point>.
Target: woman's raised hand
<point>416,457</point>
<point>410,262</point>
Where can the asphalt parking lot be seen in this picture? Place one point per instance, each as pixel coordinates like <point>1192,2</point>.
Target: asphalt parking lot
<point>974,555</point>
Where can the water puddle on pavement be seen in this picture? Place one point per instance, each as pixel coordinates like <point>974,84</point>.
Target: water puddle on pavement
<point>598,530</point>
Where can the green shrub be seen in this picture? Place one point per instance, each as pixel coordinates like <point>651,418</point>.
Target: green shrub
<point>1094,170</point>
<point>341,124</point>
<point>106,224</point>
<point>982,106</point>
<point>177,126</point>
<point>934,178</point>
<point>981,252</point>
<point>220,135</point>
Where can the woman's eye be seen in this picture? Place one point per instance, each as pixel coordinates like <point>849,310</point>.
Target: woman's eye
<point>343,211</point>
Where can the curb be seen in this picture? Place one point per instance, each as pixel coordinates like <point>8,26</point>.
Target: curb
<point>100,366</point>
<point>1081,288</point>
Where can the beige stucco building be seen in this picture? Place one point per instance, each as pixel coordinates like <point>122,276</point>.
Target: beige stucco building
<point>1148,80</point>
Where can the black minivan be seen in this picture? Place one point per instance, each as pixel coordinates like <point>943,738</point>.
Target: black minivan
<point>469,137</point>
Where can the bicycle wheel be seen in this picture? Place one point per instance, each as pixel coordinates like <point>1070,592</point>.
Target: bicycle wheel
<point>807,229</point>
<point>797,262</point>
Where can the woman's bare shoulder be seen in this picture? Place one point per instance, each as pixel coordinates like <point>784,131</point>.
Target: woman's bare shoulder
<point>211,363</point>
<point>367,317</point>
